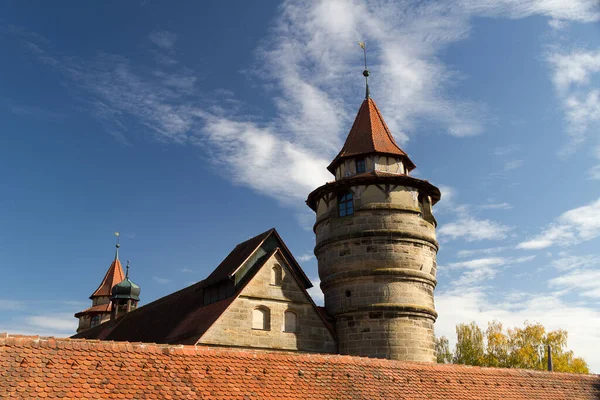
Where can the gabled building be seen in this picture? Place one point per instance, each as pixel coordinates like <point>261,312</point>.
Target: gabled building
<point>255,298</point>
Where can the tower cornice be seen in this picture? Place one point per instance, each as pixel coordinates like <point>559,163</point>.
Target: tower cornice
<point>374,178</point>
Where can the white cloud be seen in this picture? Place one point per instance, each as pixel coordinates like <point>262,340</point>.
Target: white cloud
<point>161,281</point>
<point>315,292</point>
<point>482,269</point>
<point>573,68</point>
<point>487,251</point>
<point>480,305</point>
<point>571,73</point>
<point>495,206</point>
<point>572,227</point>
<point>594,172</point>
<point>309,61</point>
<point>585,281</point>
<point>163,39</point>
<point>57,322</point>
<point>8,305</point>
<point>306,257</point>
<point>473,229</point>
<point>569,262</point>
<point>187,270</point>
<point>512,165</point>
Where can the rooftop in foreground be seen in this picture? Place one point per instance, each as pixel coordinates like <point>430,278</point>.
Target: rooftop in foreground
<point>40,367</point>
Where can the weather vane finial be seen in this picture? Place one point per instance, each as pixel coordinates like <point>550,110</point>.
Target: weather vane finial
<point>366,72</point>
<point>127,273</point>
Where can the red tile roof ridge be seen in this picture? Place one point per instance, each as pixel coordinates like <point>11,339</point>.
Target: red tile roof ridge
<point>18,340</point>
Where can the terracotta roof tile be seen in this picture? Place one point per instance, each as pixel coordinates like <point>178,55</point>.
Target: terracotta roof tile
<point>107,370</point>
<point>99,308</point>
<point>113,276</point>
<point>370,134</point>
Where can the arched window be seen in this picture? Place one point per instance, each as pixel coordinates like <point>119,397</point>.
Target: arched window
<point>261,319</point>
<point>345,204</point>
<point>276,275</point>
<point>290,321</point>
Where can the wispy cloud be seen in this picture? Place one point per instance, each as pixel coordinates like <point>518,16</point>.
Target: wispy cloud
<point>487,251</point>
<point>574,226</point>
<point>473,229</point>
<point>572,71</point>
<point>285,157</point>
<point>495,206</point>
<point>163,39</point>
<point>586,282</point>
<point>161,281</point>
<point>187,270</point>
<point>483,269</point>
<point>306,257</point>
<point>512,165</point>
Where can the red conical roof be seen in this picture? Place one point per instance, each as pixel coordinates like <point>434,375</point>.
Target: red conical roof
<point>369,134</point>
<point>113,276</point>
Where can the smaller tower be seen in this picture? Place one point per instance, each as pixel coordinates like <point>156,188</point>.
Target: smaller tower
<point>125,296</point>
<point>100,310</point>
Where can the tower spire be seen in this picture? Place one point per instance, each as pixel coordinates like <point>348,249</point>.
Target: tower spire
<point>366,72</point>
<point>127,270</point>
<point>117,246</point>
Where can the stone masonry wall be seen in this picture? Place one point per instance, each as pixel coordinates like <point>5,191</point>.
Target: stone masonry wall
<point>234,327</point>
<point>378,274</point>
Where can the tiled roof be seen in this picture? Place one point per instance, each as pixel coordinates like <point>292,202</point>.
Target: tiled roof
<point>181,317</point>
<point>237,256</point>
<point>100,308</point>
<point>113,276</point>
<point>37,367</point>
<point>369,134</point>
<point>242,251</point>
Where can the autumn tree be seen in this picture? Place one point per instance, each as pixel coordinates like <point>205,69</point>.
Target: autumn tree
<point>469,345</point>
<point>514,348</point>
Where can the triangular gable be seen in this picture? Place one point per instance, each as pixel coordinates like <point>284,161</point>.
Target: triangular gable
<point>222,331</point>
<point>261,250</point>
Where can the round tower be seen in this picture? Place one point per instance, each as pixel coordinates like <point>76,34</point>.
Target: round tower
<point>376,246</point>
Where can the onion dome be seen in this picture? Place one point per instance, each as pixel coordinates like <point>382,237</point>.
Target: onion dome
<point>126,289</point>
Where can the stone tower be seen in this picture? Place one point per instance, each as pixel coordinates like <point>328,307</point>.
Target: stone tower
<point>376,245</point>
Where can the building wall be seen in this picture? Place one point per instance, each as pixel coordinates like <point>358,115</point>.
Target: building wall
<point>378,273</point>
<point>234,326</point>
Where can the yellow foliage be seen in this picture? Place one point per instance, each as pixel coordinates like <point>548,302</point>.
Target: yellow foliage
<point>516,348</point>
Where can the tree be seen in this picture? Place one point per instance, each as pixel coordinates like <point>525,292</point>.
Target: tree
<point>515,348</point>
<point>442,350</point>
<point>469,345</point>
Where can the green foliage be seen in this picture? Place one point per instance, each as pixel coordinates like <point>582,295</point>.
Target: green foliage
<point>514,348</point>
<point>442,348</point>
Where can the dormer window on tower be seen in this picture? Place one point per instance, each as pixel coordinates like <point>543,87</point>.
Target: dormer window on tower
<point>345,204</point>
<point>360,165</point>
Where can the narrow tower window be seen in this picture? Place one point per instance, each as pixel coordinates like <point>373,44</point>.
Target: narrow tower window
<point>345,204</point>
<point>290,322</point>
<point>360,165</point>
<point>261,319</point>
<point>276,275</point>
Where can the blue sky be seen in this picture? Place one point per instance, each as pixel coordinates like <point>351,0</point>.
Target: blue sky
<point>192,128</point>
